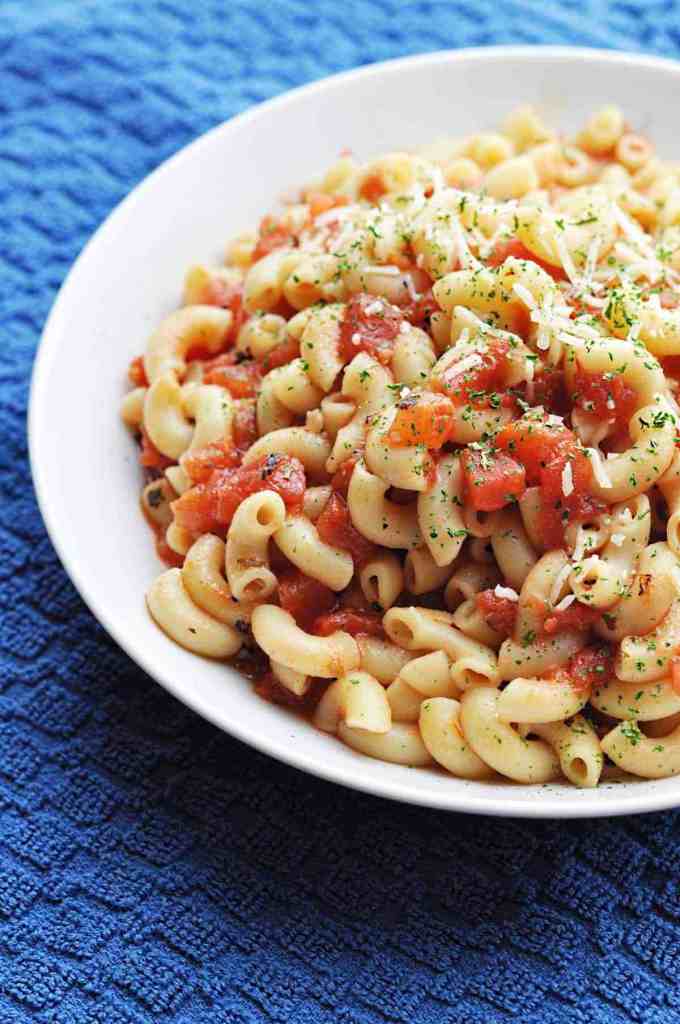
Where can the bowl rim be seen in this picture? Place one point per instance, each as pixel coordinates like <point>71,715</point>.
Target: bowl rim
<point>461,799</point>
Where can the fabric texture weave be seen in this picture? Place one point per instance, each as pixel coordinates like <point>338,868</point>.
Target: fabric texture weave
<point>152,868</point>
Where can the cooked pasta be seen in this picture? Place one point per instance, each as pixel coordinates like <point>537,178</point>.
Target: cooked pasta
<point>411,455</point>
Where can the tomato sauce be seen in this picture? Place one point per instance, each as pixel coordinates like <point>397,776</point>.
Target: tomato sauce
<point>201,463</point>
<point>491,479</point>
<point>500,613</point>
<point>241,377</point>
<point>149,455</point>
<point>137,373</point>
<point>270,689</point>
<point>372,188</point>
<point>479,385</point>
<point>304,598</point>
<point>424,419</point>
<point>356,623</point>
<point>514,248</point>
<point>342,476</point>
<point>284,353</point>
<point>273,234</point>
<point>244,426</point>
<point>334,526</point>
<point>576,617</point>
<point>209,507</point>
<point>545,451</point>
<point>419,310</point>
<point>369,325</point>
<point>592,666</point>
<point>604,395</point>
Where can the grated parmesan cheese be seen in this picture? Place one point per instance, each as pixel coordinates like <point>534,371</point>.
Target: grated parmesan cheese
<point>374,307</point>
<point>506,592</point>
<point>468,362</point>
<point>617,539</point>
<point>388,270</point>
<point>524,295</point>
<point>404,327</point>
<point>558,584</point>
<point>599,472</point>
<point>566,260</point>
<point>356,338</point>
<point>567,480</point>
<point>580,545</point>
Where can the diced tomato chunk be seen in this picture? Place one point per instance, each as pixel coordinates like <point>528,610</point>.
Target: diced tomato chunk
<point>576,617</point>
<point>671,366</point>
<point>554,460</point>
<point>149,455</point>
<point>244,425</point>
<point>353,622</point>
<point>137,373</point>
<point>200,463</point>
<point>605,395</point>
<point>335,528</point>
<point>548,389</point>
<point>534,442</point>
<point>304,597</point>
<point>478,384</point>
<point>370,325</point>
<point>241,378</point>
<point>372,188</point>
<point>500,613</point>
<point>491,479</point>
<point>284,353</point>
<point>342,476</point>
<point>424,418</point>
<point>513,247</point>
<point>281,473</point>
<point>321,202</point>
<point>590,667</point>
<point>558,508</point>
<point>210,506</point>
<point>273,235</point>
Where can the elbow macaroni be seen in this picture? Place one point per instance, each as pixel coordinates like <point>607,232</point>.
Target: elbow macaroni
<point>328,425</point>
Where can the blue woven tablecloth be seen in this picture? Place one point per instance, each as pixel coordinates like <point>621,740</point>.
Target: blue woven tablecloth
<point>150,867</point>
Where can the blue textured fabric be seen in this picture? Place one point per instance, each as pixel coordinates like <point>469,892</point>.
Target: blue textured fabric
<point>150,867</point>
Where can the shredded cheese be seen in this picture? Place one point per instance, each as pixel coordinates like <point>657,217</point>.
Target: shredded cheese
<point>506,592</point>
<point>468,362</point>
<point>566,260</point>
<point>567,480</point>
<point>374,307</point>
<point>558,585</point>
<point>387,270</point>
<point>524,295</point>
<point>565,603</point>
<point>599,471</point>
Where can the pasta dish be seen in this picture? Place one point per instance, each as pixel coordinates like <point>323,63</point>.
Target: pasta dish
<point>412,455</point>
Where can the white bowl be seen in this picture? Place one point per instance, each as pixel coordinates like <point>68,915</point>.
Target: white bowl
<point>129,275</point>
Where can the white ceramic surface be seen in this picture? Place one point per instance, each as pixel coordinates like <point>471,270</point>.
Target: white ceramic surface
<point>130,274</point>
